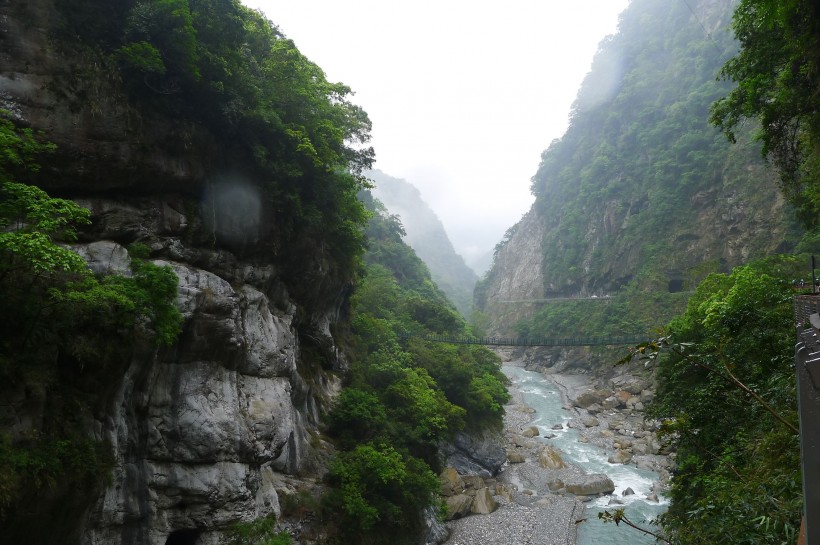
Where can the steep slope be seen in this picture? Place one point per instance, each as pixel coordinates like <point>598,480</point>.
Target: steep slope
<point>641,193</point>
<point>240,190</point>
<point>426,235</point>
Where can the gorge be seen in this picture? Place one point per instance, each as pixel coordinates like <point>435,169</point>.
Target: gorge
<point>213,331</point>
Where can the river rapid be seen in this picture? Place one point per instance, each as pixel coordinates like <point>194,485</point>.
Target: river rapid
<point>546,400</point>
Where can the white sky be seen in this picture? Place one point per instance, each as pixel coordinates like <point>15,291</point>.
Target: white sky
<point>463,95</point>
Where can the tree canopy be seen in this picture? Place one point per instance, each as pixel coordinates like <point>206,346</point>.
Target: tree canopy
<point>777,72</point>
<point>727,398</point>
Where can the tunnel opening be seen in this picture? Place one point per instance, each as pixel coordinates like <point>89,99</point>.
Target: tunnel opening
<point>185,536</point>
<point>675,285</point>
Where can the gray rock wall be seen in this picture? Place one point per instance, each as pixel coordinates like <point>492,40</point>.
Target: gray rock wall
<point>203,432</point>
<point>212,430</point>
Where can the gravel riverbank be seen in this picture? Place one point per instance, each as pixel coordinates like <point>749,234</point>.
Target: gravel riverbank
<point>534,505</point>
<point>533,515</point>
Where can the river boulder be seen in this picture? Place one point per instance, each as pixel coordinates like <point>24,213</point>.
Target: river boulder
<point>550,458</point>
<point>484,503</point>
<point>458,506</point>
<point>480,453</point>
<point>590,485</point>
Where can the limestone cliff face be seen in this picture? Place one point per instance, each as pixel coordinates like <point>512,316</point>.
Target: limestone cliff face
<point>505,295</point>
<point>215,429</point>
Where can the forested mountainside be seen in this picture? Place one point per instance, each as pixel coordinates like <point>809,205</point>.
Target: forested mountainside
<point>180,239</point>
<point>426,235</point>
<point>657,218</point>
<point>642,194</point>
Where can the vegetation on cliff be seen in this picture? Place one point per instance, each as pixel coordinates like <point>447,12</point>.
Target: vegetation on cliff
<point>404,396</point>
<point>777,76</point>
<point>738,454</point>
<point>726,389</point>
<point>219,68</point>
<point>426,235</point>
<point>64,333</point>
<point>641,190</point>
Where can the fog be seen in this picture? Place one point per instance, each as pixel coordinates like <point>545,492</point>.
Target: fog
<point>463,96</point>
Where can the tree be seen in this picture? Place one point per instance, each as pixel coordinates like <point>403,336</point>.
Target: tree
<point>727,398</point>
<point>778,78</point>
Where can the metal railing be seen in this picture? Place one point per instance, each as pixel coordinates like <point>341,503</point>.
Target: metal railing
<point>807,369</point>
<point>535,341</point>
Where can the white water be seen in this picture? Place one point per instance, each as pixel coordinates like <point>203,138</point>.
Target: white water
<point>545,398</point>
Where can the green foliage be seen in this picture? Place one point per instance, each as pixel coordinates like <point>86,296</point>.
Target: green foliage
<point>66,335</point>
<point>630,312</point>
<point>777,75</point>
<point>404,396</point>
<point>380,492</point>
<point>142,57</point>
<point>261,531</point>
<point>219,66</point>
<point>162,40</point>
<point>737,479</point>
<point>626,192</point>
<point>39,463</point>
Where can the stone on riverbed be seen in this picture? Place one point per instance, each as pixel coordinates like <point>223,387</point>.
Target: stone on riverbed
<point>458,506</point>
<point>515,457</point>
<point>484,503</point>
<point>532,431</point>
<point>550,458</point>
<point>588,485</point>
<point>450,482</point>
<point>620,457</point>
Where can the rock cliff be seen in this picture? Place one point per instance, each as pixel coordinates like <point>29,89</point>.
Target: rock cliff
<point>641,194</point>
<point>214,429</point>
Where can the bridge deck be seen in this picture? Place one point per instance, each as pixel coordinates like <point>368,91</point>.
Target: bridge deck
<point>540,341</point>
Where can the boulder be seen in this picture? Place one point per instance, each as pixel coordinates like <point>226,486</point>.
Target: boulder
<point>515,457</point>
<point>484,503</point>
<point>628,492</point>
<point>458,506</point>
<point>640,448</point>
<point>620,457</point>
<point>532,431</point>
<point>589,485</point>
<point>450,482</point>
<point>558,427</point>
<point>504,490</point>
<point>587,398</point>
<point>590,421</point>
<point>473,482</point>
<point>478,453</point>
<point>550,458</point>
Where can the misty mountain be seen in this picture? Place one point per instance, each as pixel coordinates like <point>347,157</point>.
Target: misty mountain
<point>642,195</point>
<point>426,235</point>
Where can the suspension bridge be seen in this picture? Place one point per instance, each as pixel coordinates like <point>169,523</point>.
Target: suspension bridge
<point>534,341</point>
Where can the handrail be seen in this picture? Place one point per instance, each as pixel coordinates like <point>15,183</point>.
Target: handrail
<point>536,341</point>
